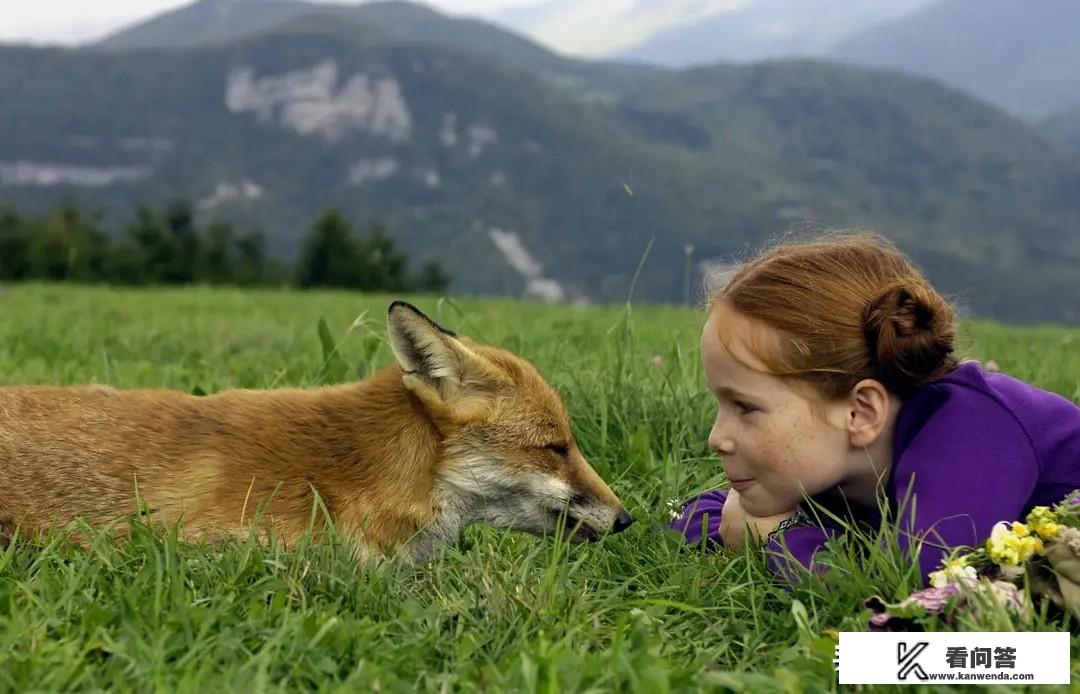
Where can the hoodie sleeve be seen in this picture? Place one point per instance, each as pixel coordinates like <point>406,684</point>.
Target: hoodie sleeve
<point>791,554</point>
<point>699,522</point>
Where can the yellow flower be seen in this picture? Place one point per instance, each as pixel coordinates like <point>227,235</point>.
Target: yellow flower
<point>1041,514</point>
<point>1048,531</point>
<point>1003,545</point>
<point>1044,522</point>
<point>1029,547</point>
<point>958,563</point>
<point>1013,544</point>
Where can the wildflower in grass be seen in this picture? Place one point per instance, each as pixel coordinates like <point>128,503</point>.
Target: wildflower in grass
<point>933,599</point>
<point>1044,523</point>
<point>965,594</point>
<point>1012,545</point>
<point>955,571</point>
<point>902,616</point>
<point>674,508</point>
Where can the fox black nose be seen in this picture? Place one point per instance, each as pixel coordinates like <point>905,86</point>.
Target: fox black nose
<point>622,521</point>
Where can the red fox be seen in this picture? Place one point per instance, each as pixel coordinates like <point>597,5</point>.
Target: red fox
<point>453,433</point>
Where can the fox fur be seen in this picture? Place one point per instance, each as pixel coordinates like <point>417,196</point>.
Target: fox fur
<point>453,433</point>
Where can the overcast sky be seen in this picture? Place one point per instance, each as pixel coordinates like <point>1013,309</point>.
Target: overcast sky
<point>583,27</point>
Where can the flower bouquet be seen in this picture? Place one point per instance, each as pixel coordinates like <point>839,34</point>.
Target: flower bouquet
<point>1044,551</point>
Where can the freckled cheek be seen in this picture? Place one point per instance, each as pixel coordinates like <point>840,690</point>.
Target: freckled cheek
<point>789,465</point>
<point>811,461</point>
<point>770,457</point>
<point>781,456</point>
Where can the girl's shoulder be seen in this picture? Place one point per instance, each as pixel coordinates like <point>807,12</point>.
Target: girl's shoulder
<point>971,395</point>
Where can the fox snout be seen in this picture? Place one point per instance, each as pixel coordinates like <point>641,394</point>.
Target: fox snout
<point>590,519</point>
<point>581,531</point>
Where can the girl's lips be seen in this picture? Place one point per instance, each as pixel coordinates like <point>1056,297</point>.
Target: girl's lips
<point>739,485</point>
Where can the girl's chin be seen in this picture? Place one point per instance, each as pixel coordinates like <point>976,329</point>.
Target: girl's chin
<point>761,509</point>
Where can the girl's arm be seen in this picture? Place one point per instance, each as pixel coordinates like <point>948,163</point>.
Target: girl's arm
<point>703,521</point>
<point>736,523</point>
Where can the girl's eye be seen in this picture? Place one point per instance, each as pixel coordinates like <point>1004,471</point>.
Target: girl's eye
<point>745,407</point>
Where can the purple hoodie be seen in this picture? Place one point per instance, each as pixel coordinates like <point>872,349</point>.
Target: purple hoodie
<point>970,450</point>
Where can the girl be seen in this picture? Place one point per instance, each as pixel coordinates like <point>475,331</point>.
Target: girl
<point>833,367</point>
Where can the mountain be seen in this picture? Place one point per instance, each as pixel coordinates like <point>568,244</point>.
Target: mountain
<point>1063,129</point>
<point>218,21</point>
<point>960,185</point>
<point>1019,55</point>
<point>467,158</point>
<point>520,182</point>
<point>765,29</point>
<point>207,21</point>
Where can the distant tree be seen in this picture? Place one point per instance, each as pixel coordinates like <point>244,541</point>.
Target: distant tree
<point>333,257</point>
<point>183,242</point>
<point>329,256</point>
<point>380,265</point>
<point>251,265</point>
<point>14,245</point>
<point>432,278</point>
<point>67,244</point>
<point>170,247</point>
<point>216,263</point>
<point>150,250</point>
<point>166,244</point>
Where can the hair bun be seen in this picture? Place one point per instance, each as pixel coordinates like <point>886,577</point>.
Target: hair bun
<point>910,336</point>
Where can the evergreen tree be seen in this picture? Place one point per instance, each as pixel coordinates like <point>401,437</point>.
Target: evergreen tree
<point>330,256</point>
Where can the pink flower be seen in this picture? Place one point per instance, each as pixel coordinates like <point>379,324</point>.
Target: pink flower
<point>933,601</point>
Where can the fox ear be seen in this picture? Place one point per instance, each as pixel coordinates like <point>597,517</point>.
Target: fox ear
<point>430,356</point>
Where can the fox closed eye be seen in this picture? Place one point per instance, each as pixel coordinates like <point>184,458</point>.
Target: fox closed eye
<point>558,449</point>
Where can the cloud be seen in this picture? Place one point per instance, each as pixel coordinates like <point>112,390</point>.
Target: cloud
<point>600,27</point>
<point>74,21</point>
<point>577,27</point>
<point>77,21</point>
<point>485,8</point>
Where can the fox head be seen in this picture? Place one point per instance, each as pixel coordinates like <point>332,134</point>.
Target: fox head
<point>507,455</point>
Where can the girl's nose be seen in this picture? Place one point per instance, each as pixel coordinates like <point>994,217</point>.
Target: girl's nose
<point>720,442</point>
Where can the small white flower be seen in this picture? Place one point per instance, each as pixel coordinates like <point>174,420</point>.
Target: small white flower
<point>1011,573</point>
<point>955,572</point>
<point>674,508</point>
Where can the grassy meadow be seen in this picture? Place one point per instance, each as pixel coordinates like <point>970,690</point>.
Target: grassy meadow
<point>635,612</point>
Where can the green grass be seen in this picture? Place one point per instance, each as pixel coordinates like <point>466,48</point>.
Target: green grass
<point>501,612</point>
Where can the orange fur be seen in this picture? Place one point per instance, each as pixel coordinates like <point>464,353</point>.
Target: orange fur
<point>393,457</point>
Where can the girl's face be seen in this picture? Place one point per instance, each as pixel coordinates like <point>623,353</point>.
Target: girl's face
<point>776,441</point>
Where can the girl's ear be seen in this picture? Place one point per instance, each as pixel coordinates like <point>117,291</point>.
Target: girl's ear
<point>870,412</point>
